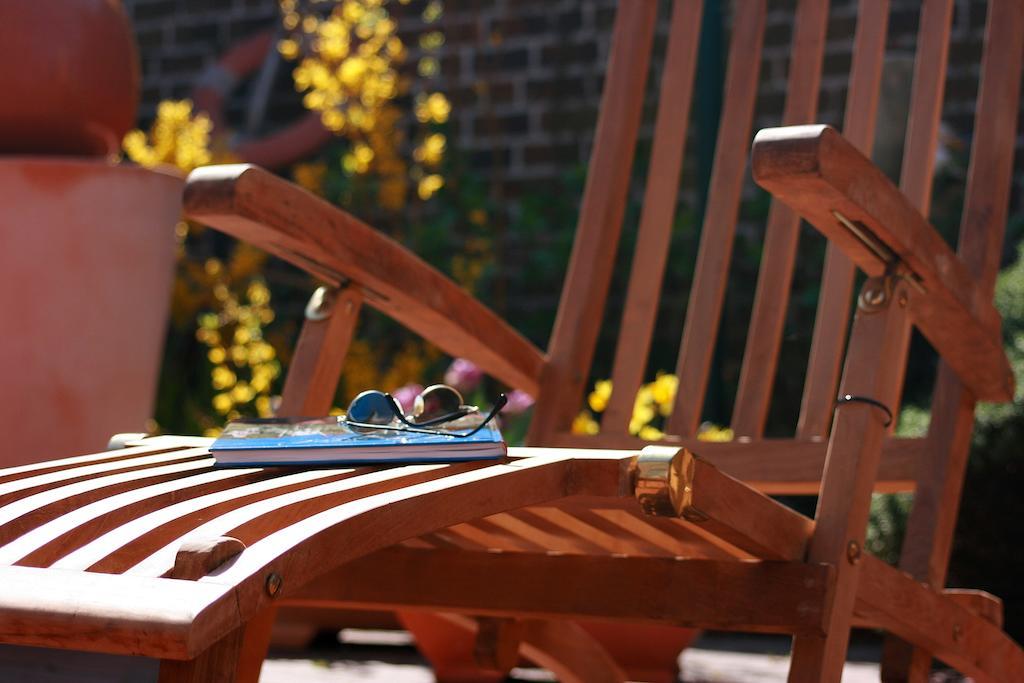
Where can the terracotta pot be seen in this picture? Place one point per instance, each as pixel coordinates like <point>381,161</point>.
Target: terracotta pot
<point>87,257</point>
<point>70,75</point>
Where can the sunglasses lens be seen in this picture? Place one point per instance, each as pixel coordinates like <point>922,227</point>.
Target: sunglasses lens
<point>436,401</point>
<point>371,407</point>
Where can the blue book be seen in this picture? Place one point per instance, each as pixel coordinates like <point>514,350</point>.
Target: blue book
<point>329,440</point>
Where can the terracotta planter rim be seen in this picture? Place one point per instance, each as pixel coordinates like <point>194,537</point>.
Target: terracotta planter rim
<point>164,170</point>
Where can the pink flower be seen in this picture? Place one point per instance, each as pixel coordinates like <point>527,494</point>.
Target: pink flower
<point>518,402</point>
<point>406,396</point>
<point>464,375</point>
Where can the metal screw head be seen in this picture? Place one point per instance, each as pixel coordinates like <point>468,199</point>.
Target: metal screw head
<point>853,552</point>
<point>273,584</point>
<point>874,296</point>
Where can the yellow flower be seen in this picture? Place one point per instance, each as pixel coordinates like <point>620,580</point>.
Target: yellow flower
<point>433,108</point>
<point>431,151</point>
<point>598,398</point>
<point>176,137</point>
<point>712,432</point>
<point>222,377</point>
<point>222,403</point>
<point>429,185</point>
<point>584,423</point>
<point>288,48</point>
<point>649,433</point>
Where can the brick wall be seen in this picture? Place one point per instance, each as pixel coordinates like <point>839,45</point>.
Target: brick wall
<point>525,75</point>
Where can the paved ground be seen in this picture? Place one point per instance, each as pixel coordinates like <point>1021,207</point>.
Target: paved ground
<point>716,659</point>
<point>705,666</point>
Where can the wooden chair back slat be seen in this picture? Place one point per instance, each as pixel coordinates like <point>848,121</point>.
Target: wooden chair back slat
<point>604,200</point>
<point>833,313</point>
<point>776,272</point>
<point>704,310</point>
<point>989,174</point>
<point>925,553</point>
<point>660,197</point>
<point>926,102</point>
<point>922,136</point>
<point>320,353</point>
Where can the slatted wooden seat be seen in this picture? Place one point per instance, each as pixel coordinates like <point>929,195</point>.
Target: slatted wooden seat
<point>154,551</point>
<point>151,551</point>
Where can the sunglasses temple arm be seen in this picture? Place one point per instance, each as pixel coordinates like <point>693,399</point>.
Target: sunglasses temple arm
<point>499,403</point>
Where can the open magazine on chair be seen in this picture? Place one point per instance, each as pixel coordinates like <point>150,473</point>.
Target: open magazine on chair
<point>330,440</point>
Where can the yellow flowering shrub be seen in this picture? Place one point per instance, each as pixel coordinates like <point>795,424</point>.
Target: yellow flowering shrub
<point>653,403</point>
<point>229,301</point>
<point>178,138</point>
<point>348,69</point>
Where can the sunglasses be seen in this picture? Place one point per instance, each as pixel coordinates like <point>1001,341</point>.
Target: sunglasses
<point>435,405</point>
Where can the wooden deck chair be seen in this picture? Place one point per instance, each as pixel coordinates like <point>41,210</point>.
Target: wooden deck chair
<point>151,553</point>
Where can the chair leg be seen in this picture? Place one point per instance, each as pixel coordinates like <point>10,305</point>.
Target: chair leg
<point>217,664</point>
<point>871,373</point>
<point>448,647</point>
<point>929,537</point>
<point>255,642</point>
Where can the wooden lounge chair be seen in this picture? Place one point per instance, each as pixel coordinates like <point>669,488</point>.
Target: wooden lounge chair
<point>151,551</point>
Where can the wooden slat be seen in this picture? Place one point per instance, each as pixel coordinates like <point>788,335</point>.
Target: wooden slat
<point>319,355</point>
<point>854,452</point>
<point>574,526</point>
<point>774,466</point>
<point>258,519</point>
<point>771,298</point>
<point>893,601</point>
<point>184,515</point>
<point>630,543</point>
<point>749,596</point>
<point>672,540</point>
<point>816,171</point>
<point>21,488</point>
<point>660,196</point>
<point>600,223</point>
<point>151,446</point>
<point>515,525</point>
<point>48,542</point>
<point>26,514</point>
<point>104,612</point>
<point>726,507</point>
<point>492,537</point>
<point>922,136</point>
<point>703,312</point>
<point>833,312</point>
<point>940,479</point>
<point>256,206</point>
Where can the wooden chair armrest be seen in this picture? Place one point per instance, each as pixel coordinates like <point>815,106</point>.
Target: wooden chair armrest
<point>825,179</point>
<point>273,214</point>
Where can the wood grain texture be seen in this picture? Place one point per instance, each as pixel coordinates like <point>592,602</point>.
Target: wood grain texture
<point>659,204</point>
<point>757,596</point>
<point>734,512</point>
<point>944,626</point>
<point>256,206</point>
<point>816,171</point>
<point>775,275</point>
<point>588,278</point>
<point>774,466</point>
<point>851,466</point>
<point>832,317</point>
<point>930,527</point>
<point>704,310</point>
<point>316,364</point>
